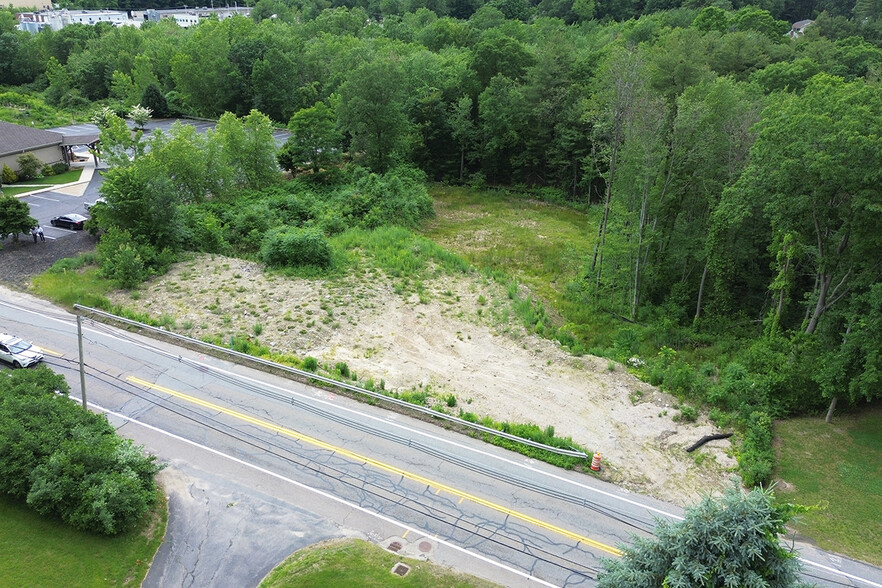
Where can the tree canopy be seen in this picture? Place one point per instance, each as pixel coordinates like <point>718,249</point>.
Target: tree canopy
<point>728,541</point>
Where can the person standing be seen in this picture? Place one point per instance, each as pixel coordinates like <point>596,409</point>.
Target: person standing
<point>40,232</point>
<point>34,234</point>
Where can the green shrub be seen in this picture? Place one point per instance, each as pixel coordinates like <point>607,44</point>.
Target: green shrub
<point>205,232</point>
<point>126,262</point>
<point>756,457</point>
<point>627,342</point>
<point>249,224</point>
<point>450,400</point>
<point>8,176</point>
<point>735,388</point>
<point>468,416</point>
<point>398,197</point>
<point>29,166</point>
<point>124,267</point>
<point>680,379</point>
<point>310,364</point>
<point>688,414</point>
<point>721,418</point>
<point>342,368</point>
<point>59,167</point>
<point>47,171</point>
<point>67,462</point>
<point>291,247</point>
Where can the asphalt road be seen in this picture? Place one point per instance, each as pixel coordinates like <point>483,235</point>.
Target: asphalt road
<point>259,466</point>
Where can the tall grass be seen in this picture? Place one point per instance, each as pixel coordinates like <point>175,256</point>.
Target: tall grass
<point>74,281</point>
<point>400,252</point>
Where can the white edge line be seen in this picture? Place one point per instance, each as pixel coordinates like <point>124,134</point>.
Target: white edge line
<point>387,422</point>
<point>325,495</point>
<point>841,573</point>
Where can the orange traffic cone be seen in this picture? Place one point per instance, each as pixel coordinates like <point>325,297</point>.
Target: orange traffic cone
<point>595,463</point>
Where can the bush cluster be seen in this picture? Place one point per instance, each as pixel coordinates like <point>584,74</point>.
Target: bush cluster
<point>67,462</point>
<point>288,225</point>
<point>127,262</point>
<point>291,247</point>
<point>8,175</point>
<point>29,166</point>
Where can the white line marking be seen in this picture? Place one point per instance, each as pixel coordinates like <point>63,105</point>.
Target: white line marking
<point>325,495</point>
<point>608,494</point>
<point>841,573</point>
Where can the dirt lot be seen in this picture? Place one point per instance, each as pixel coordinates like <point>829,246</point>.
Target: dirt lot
<point>456,338</point>
<point>23,259</point>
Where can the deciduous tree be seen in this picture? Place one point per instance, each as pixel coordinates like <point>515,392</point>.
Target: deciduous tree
<point>15,217</point>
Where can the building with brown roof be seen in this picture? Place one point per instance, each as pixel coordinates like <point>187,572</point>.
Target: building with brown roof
<point>16,140</point>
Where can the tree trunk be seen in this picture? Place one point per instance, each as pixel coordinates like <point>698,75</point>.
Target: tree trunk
<point>830,410</point>
<point>821,305</point>
<point>700,293</point>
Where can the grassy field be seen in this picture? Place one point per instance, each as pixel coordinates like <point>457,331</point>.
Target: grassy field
<point>541,244</point>
<point>840,467</point>
<point>38,551</point>
<point>358,564</point>
<point>73,282</point>
<point>545,246</point>
<point>67,177</point>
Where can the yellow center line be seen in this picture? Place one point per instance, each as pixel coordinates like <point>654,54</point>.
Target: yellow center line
<point>50,352</point>
<point>380,465</point>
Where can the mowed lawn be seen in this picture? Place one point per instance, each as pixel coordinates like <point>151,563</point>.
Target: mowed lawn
<point>67,177</point>
<point>353,563</point>
<point>838,466</point>
<point>39,551</point>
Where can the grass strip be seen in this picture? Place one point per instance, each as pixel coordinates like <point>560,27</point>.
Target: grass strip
<point>354,562</point>
<point>41,551</point>
<point>837,466</point>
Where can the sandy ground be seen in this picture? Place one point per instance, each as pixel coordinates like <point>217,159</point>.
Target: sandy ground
<point>455,337</point>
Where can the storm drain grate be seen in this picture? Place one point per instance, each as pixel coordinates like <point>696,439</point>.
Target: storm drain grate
<point>394,546</point>
<point>401,569</point>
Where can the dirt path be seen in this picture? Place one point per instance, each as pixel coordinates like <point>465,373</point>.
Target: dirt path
<point>453,338</point>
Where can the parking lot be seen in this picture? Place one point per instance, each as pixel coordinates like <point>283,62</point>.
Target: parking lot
<point>48,204</point>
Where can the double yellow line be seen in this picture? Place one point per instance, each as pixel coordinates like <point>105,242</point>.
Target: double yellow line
<point>379,465</point>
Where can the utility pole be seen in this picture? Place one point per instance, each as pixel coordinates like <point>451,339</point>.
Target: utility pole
<point>82,370</point>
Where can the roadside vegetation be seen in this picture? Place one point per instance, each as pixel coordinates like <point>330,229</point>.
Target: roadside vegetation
<point>630,173</point>
<point>839,468</point>
<point>41,551</point>
<point>71,490</point>
<point>353,562</point>
<point>67,462</point>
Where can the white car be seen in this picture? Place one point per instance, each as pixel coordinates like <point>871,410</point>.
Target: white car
<point>18,352</point>
<point>88,205</point>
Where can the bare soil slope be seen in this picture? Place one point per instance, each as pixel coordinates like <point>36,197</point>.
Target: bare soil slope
<point>455,337</point>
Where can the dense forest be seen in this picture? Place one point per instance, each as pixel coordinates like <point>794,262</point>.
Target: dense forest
<point>734,169</point>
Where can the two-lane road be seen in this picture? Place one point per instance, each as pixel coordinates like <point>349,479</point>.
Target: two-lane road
<point>321,465</point>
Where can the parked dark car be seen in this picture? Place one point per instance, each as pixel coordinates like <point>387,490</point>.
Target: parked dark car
<point>69,221</point>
